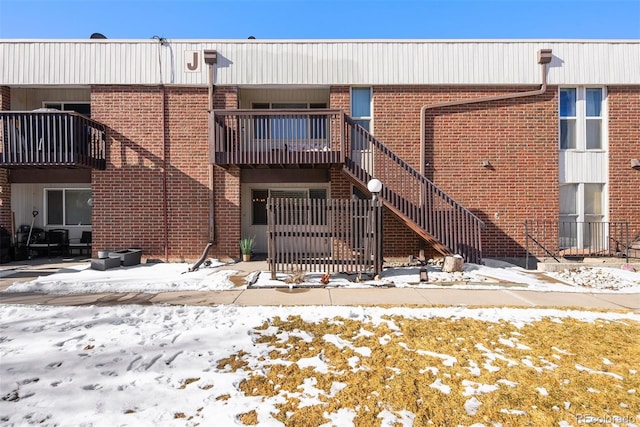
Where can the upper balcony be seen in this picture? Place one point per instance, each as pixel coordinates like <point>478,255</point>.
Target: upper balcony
<point>277,138</point>
<point>50,139</point>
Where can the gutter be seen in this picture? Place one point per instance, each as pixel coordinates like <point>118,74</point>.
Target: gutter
<point>544,58</point>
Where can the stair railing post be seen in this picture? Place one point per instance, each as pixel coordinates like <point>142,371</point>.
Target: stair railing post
<point>526,234</point>
<point>375,186</point>
<point>343,138</point>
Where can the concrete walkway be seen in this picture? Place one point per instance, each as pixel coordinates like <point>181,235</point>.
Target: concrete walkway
<point>343,296</point>
<point>507,297</point>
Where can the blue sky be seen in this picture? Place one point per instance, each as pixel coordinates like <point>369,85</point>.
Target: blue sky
<point>326,19</point>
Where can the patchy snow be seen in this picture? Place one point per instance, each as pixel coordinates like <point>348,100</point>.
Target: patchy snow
<point>111,358</point>
<point>150,278</point>
<point>143,365</point>
<point>147,278</point>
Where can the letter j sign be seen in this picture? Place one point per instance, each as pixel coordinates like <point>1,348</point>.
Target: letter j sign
<point>192,61</point>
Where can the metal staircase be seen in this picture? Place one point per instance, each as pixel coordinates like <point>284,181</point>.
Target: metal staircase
<point>424,208</point>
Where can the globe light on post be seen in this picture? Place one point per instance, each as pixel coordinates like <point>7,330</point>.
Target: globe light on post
<point>374,186</point>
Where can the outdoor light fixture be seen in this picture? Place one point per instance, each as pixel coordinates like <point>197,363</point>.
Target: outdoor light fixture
<point>210,57</point>
<point>424,276</point>
<point>545,56</point>
<point>486,163</point>
<point>374,186</point>
<point>635,163</point>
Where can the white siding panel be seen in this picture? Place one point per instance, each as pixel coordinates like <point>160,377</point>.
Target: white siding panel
<point>583,166</point>
<point>84,62</point>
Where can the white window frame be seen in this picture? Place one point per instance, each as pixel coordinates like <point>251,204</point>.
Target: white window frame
<point>370,116</point>
<point>580,216</point>
<point>581,119</point>
<point>64,206</point>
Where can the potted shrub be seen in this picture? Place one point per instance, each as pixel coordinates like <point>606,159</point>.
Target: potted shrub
<point>246,247</point>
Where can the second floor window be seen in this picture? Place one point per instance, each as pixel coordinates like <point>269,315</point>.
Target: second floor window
<point>581,118</point>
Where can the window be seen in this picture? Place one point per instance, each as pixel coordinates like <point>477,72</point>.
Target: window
<point>567,119</point>
<point>593,124</point>
<point>593,210</point>
<point>83,108</point>
<point>361,106</point>
<point>361,114</point>
<point>259,205</point>
<point>68,207</point>
<point>290,126</point>
<point>580,206</point>
<point>581,112</point>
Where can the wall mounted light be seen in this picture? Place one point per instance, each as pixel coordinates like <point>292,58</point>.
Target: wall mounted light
<point>635,163</point>
<point>486,163</point>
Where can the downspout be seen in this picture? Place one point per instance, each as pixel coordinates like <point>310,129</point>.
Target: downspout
<point>165,197</point>
<point>211,58</point>
<point>544,58</point>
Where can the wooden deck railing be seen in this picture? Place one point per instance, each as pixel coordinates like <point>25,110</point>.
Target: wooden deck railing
<point>57,139</point>
<point>276,137</point>
<point>439,219</point>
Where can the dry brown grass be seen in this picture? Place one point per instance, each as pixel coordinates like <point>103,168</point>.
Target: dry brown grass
<point>249,418</point>
<point>535,369</point>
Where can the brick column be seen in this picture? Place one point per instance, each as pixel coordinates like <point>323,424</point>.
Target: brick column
<point>226,191</point>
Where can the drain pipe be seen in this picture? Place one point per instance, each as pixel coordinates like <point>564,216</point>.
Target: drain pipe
<point>544,58</point>
<point>165,195</point>
<point>211,58</point>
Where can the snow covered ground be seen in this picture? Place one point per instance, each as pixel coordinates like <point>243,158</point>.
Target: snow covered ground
<point>160,365</point>
<point>176,277</point>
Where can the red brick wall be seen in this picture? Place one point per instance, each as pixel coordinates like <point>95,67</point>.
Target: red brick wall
<point>226,189</point>
<point>227,210</point>
<point>339,98</point>
<point>518,137</point>
<point>129,209</point>
<point>5,186</point>
<point>624,145</point>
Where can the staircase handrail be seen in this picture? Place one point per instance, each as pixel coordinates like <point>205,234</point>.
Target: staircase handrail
<point>422,211</point>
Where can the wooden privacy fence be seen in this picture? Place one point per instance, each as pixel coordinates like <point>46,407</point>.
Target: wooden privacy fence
<point>327,236</point>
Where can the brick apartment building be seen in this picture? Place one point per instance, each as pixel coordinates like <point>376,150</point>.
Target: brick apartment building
<point>466,136</point>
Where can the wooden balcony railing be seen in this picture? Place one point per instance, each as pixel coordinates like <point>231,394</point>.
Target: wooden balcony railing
<point>50,139</point>
<point>276,137</point>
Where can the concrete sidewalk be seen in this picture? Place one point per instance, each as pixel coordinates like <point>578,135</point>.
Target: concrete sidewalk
<point>405,296</point>
<point>343,296</point>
